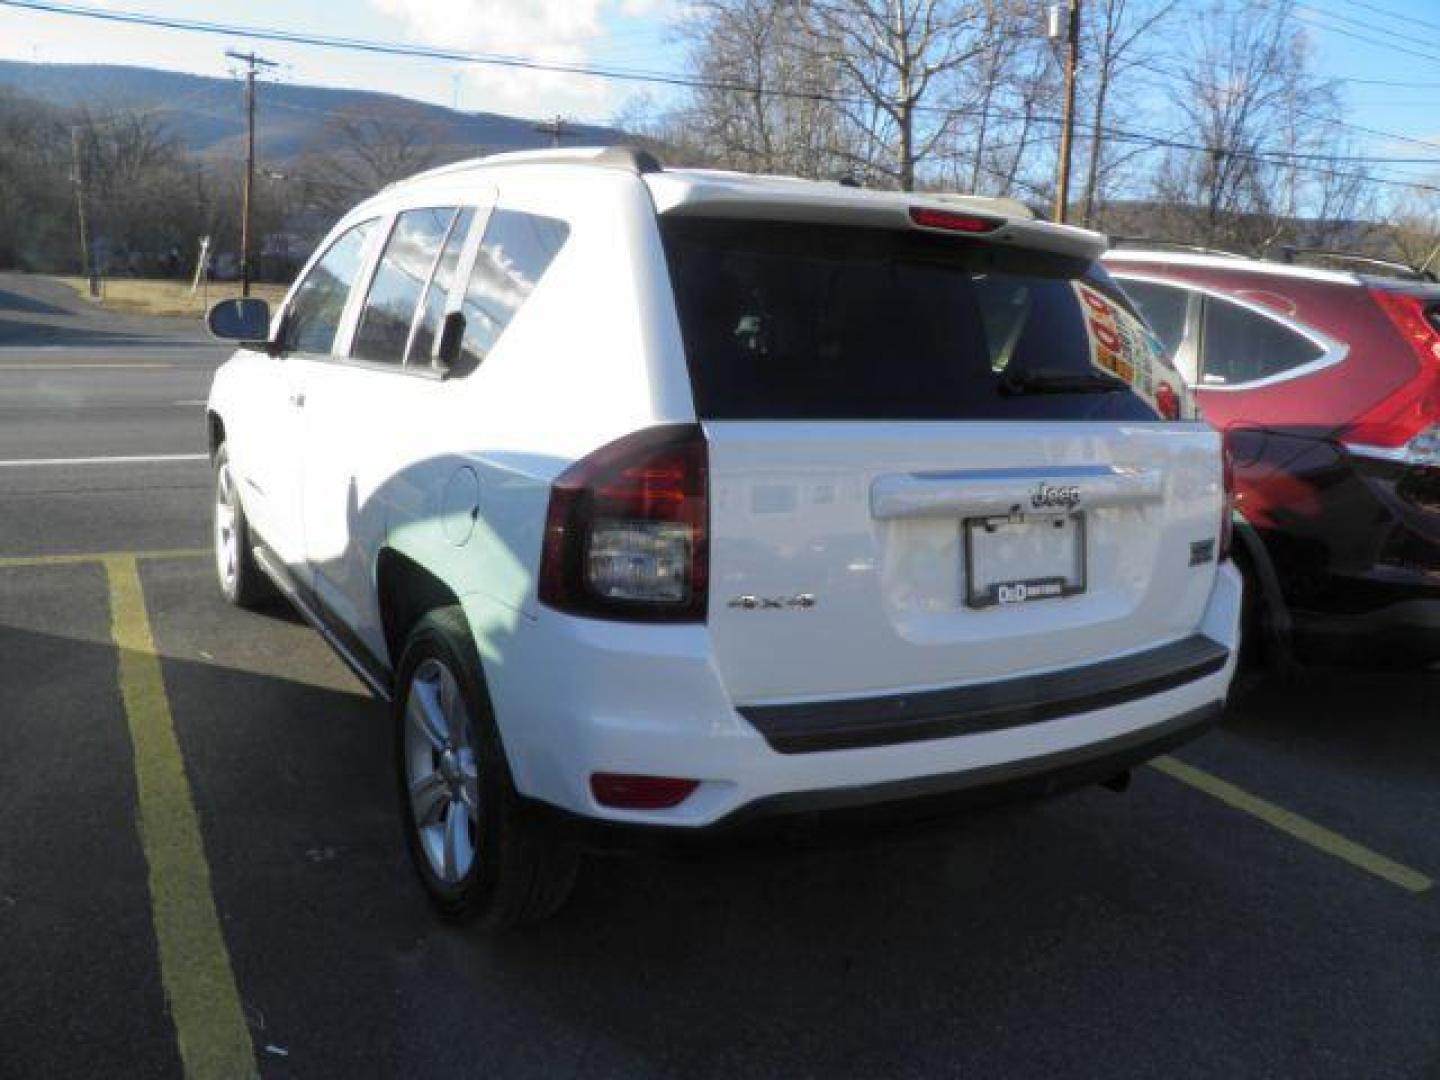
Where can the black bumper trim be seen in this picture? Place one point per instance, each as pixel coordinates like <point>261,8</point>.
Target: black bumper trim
<point>854,723</point>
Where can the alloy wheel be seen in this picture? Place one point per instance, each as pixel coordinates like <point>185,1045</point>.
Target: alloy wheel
<point>441,771</point>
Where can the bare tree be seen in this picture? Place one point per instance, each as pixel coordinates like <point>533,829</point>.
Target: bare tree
<point>1245,89</point>
<point>1117,33</point>
<point>360,150</point>
<point>1413,228</point>
<point>145,210</point>
<point>898,61</point>
<point>764,104</point>
<point>35,192</point>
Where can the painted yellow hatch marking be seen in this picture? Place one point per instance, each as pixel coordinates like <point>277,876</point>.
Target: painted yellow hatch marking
<point>194,963</point>
<point>8,561</point>
<point>1293,824</point>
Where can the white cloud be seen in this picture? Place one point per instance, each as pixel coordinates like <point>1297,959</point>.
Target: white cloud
<point>620,32</point>
<point>554,31</point>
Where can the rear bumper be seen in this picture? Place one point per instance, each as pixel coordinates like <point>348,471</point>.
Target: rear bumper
<point>849,812</point>
<point>1401,634</point>
<point>574,696</point>
<point>1354,542</point>
<point>1029,778</point>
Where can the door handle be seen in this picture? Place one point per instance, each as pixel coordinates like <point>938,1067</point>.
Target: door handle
<point>298,399</point>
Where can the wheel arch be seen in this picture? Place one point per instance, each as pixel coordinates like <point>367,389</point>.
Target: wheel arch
<point>1258,570</point>
<point>405,590</point>
<point>214,432</point>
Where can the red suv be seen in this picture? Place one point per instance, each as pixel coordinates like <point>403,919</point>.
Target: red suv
<point>1327,386</point>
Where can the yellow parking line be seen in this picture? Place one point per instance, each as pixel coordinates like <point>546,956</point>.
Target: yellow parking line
<point>194,964</point>
<point>1301,828</point>
<point>100,557</point>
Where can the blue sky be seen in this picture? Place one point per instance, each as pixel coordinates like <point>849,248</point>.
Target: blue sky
<point>633,34</point>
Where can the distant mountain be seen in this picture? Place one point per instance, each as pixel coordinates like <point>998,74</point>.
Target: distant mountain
<point>208,113</point>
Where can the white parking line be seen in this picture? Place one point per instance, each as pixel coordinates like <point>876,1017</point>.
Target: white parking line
<point>78,367</point>
<point>134,459</point>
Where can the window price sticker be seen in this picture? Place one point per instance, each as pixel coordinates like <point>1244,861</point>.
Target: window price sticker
<point>1121,344</point>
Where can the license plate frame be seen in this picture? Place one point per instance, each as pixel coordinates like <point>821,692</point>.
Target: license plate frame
<point>983,535</point>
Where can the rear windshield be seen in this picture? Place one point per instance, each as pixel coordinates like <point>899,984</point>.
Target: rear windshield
<point>807,322</point>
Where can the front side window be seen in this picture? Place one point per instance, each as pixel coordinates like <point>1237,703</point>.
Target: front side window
<point>818,322</point>
<point>1243,346</point>
<point>515,252</point>
<point>399,280</point>
<point>314,313</point>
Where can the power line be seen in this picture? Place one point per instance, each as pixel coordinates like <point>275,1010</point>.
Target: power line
<point>1143,140</point>
<point>1388,13</point>
<point>1309,15</point>
<point>1335,122</point>
<point>1389,82</point>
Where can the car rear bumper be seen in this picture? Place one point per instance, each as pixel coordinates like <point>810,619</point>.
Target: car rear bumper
<point>1355,544</point>
<point>849,812</point>
<point>1405,634</point>
<point>574,697</point>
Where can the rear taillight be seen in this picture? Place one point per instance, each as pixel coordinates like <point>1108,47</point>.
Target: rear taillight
<point>1227,504</point>
<point>1411,414</point>
<point>626,536</point>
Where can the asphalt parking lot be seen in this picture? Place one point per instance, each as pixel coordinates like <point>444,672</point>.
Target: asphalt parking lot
<point>202,870</point>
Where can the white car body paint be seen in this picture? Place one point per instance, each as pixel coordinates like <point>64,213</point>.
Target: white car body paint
<point>340,460</point>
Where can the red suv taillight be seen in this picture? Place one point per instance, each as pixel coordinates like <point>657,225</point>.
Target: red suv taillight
<point>627,533</point>
<point>1410,417</point>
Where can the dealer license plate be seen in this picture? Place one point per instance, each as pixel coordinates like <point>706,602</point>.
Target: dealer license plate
<point>1023,558</point>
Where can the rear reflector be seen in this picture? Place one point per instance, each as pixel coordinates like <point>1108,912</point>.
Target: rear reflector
<point>950,221</point>
<point>1167,401</point>
<point>626,792</point>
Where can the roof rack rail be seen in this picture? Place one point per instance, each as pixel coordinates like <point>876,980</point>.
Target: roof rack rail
<point>1287,253</point>
<point>1170,245</point>
<point>629,158</point>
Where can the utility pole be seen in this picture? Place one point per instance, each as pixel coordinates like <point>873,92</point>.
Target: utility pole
<point>87,264</point>
<point>251,62</point>
<point>1067,124</point>
<point>554,128</point>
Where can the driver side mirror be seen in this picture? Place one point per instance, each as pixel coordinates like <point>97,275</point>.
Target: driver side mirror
<point>245,319</point>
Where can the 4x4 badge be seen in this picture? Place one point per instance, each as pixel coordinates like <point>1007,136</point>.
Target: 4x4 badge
<point>773,603</point>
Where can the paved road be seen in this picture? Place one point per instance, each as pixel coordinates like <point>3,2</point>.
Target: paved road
<point>1182,929</point>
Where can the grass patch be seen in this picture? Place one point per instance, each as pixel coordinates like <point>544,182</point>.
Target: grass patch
<point>157,296</point>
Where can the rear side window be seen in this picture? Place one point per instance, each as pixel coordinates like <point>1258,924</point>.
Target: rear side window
<point>804,322</point>
<point>514,254</point>
<point>404,268</point>
<point>432,309</point>
<point>314,313</point>
<point>1164,308</point>
<point>1242,346</point>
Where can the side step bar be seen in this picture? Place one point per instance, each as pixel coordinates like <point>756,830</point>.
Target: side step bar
<point>356,658</point>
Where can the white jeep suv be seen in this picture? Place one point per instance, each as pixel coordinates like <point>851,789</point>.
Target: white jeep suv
<point>678,498</point>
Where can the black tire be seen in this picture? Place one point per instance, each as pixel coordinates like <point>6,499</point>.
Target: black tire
<point>245,585</point>
<point>523,859</point>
